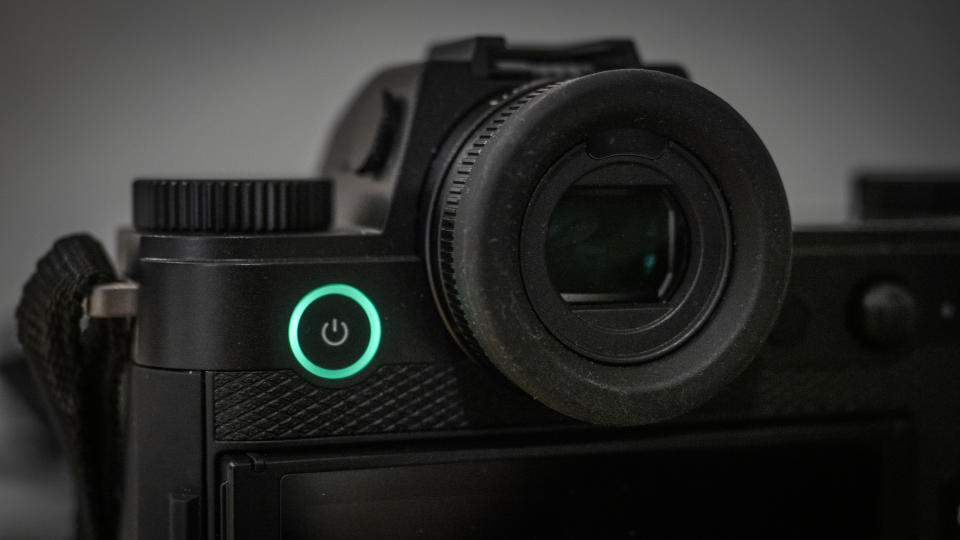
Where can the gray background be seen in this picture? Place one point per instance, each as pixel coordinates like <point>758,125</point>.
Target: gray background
<point>93,94</point>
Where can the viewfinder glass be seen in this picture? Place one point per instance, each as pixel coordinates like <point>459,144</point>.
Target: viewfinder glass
<point>612,244</point>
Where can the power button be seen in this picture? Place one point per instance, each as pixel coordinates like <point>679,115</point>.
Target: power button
<point>334,331</point>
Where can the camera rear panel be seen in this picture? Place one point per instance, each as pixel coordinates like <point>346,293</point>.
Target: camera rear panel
<point>817,362</point>
<point>821,371</point>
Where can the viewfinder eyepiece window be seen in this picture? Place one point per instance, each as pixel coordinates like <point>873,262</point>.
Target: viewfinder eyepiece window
<point>613,244</point>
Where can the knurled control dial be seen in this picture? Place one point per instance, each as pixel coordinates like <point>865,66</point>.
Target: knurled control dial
<point>231,206</point>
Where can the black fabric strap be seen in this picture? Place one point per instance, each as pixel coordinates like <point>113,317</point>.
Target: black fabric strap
<point>79,364</point>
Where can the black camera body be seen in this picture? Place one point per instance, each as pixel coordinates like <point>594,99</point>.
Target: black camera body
<point>448,337</point>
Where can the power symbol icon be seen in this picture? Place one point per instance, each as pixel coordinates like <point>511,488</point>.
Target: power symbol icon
<point>335,327</point>
<point>340,350</point>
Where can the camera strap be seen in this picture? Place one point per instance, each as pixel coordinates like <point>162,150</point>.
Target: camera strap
<point>79,363</point>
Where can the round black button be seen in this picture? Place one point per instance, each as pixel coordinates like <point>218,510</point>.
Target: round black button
<point>886,315</point>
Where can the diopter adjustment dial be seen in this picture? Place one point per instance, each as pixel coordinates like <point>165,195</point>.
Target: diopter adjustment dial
<point>231,206</point>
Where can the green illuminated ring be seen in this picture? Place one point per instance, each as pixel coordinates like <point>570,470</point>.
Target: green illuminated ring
<point>372,317</point>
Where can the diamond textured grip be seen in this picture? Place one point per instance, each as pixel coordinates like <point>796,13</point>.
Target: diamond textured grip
<point>409,398</point>
<point>231,206</point>
<point>397,398</point>
<point>280,405</point>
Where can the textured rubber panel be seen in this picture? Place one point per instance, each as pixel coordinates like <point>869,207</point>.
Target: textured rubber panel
<point>275,405</point>
<point>231,206</point>
<point>281,405</point>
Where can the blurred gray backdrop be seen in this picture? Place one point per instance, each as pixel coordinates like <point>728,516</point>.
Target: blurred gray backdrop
<point>93,94</point>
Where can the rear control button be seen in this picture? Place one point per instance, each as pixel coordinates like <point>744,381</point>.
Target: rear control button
<point>885,315</point>
<point>334,331</point>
